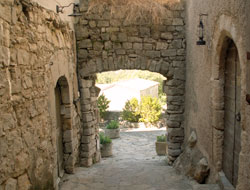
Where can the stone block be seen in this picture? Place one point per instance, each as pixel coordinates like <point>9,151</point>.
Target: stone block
<point>174,152</point>
<point>161,45</point>
<point>86,162</point>
<point>68,148</point>
<point>88,147</point>
<point>23,57</point>
<point>85,83</point>
<point>175,132</point>
<point>85,93</point>
<point>181,52</point>
<point>98,46</point>
<point>87,116</point>
<point>167,36</point>
<point>127,45</point>
<point>81,32</point>
<point>137,46</point>
<point>23,182</point>
<point>4,56</point>
<point>179,74</point>
<point>92,24</point>
<point>218,119</point>
<point>85,44</point>
<point>173,124</point>
<point>11,184</point>
<point>168,52</point>
<point>122,37</point>
<point>88,132</point>
<point>86,107</point>
<point>5,12</point>
<point>153,54</point>
<point>67,136</point>
<point>115,22</point>
<point>174,146</point>
<point>102,23</point>
<point>120,52</point>
<point>144,31</point>
<point>135,39</point>
<point>87,139</point>
<point>178,22</point>
<point>147,46</point>
<point>112,29</point>
<point>82,54</point>
<point>176,44</point>
<point>105,36</point>
<point>108,45</point>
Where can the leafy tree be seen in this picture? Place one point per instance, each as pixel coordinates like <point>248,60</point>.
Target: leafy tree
<point>150,109</point>
<point>103,105</point>
<point>131,111</point>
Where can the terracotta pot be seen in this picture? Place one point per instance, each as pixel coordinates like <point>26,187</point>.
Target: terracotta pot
<point>161,148</point>
<point>112,133</point>
<point>106,150</point>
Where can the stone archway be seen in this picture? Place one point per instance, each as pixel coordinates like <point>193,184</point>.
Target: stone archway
<point>63,127</point>
<point>105,43</point>
<point>226,98</point>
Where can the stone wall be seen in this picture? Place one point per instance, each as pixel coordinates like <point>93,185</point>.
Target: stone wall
<point>109,43</point>
<point>204,103</point>
<point>36,49</point>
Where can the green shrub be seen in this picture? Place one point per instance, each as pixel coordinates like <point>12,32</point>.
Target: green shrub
<point>104,139</point>
<point>150,109</point>
<point>131,111</point>
<point>113,124</point>
<point>103,105</point>
<point>161,138</point>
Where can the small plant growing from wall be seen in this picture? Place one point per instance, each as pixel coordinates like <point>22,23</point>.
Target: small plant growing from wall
<point>103,105</point>
<point>131,111</point>
<point>150,109</point>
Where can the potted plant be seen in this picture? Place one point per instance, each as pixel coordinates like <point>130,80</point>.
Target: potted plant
<point>161,145</point>
<point>106,145</point>
<point>112,130</point>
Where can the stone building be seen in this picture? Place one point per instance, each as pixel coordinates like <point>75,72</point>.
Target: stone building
<point>48,113</point>
<point>120,92</point>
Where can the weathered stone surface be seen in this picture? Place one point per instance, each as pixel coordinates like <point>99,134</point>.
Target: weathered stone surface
<point>201,171</point>
<point>23,182</point>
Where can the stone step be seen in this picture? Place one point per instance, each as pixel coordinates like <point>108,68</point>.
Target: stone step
<point>206,187</point>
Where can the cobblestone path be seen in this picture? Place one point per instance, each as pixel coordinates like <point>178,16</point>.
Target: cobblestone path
<point>134,166</point>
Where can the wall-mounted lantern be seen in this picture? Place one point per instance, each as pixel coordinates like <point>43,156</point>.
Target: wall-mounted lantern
<point>201,31</point>
<point>76,9</point>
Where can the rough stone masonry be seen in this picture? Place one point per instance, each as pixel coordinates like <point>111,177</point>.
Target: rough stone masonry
<point>109,43</point>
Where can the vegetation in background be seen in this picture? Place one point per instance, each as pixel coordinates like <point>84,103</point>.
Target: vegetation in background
<point>131,111</point>
<point>161,138</point>
<point>115,76</point>
<point>113,124</point>
<point>104,139</point>
<point>103,105</point>
<point>149,110</point>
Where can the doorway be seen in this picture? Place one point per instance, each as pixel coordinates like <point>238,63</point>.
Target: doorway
<point>232,128</point>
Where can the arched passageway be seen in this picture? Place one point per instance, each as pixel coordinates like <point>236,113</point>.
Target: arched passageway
<point>109,43</point>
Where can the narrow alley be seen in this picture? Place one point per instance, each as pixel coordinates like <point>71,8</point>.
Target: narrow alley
<point>133,166</point>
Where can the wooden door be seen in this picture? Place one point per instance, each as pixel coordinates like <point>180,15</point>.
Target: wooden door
<point>232,131</point>
<point>59,132</point>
